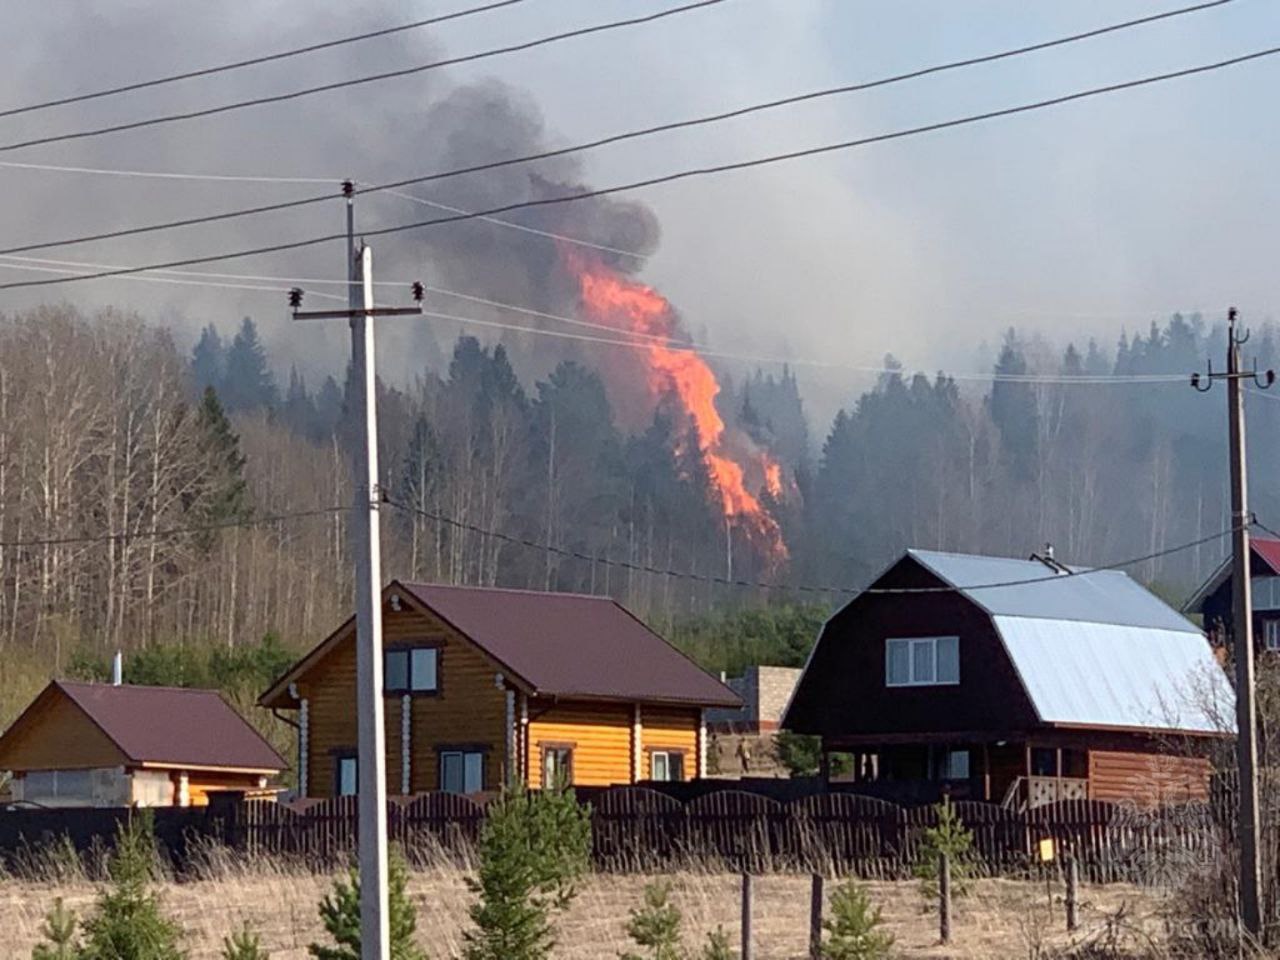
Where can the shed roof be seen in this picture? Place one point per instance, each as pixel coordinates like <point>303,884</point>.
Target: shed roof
<point>1265,563</point>
<point>168,726</point>
<point>1092,647</point>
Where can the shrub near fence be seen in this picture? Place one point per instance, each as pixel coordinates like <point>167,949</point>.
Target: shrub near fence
<point>636,828</point>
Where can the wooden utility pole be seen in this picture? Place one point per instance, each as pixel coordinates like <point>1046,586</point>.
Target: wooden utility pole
<point>371,755</point>
<point>1248,828</point>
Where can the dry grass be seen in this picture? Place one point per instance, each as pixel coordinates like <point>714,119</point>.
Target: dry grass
<point>999,918</point>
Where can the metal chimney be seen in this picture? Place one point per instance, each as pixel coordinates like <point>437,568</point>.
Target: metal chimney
<point>117,669</point>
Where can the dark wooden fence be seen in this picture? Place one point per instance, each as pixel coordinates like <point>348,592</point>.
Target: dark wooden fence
<point>640,829</point>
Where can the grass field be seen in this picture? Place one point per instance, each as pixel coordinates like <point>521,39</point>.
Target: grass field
<point>998,919</point>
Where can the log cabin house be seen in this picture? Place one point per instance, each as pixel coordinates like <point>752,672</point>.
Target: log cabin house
<point>102,745</point>
<point>481,682</point>
<point>1213,601</point>
<point>1020,682</point>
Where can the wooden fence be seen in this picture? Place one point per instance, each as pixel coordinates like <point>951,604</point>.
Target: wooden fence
<point>636,828</point>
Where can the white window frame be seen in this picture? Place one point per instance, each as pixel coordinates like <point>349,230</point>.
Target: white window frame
<point>911,644</point>
<point>667,757</point>
<point>1271,634</point>
<point>413,686</point>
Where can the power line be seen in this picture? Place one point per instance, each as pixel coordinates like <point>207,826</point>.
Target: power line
<point>532,544</point>
<point>341,84</point>
<point>164,174</point>
<point>255,61</point>
<point>391,186</point>
<point>174,531</point>
<point>638,341</point>
<point>691,173</point>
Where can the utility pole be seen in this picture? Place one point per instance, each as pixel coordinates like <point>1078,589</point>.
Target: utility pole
<point>1248,827</point>
<point>371,756</point>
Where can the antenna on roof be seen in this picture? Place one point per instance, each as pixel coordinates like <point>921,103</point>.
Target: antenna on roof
<point>1049,561</point>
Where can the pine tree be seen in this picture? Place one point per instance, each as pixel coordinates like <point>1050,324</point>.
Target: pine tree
<point>208,360</point>
<point>656,925</point>
<point>244,944</point>
<point>247,381</point>
<point>340,914</point>
<point>59,930</point>
<point>854,927</point>
<point>533,849</point>
<point>949,836</point>
<point>127,923</point>
<point>227,494</point>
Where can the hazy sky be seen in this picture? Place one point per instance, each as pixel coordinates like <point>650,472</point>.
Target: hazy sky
<point>1070,221</point>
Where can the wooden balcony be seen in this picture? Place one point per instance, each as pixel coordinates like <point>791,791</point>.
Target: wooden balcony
<point>1026,793</point>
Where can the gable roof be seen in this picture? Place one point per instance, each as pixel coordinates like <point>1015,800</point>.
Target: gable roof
<point>1265,561</point>
<point>167,726</point>
<point>558,644</point>
<point>1093,648</point>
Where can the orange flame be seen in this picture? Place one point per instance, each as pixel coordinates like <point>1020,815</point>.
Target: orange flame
<point>673,369</point>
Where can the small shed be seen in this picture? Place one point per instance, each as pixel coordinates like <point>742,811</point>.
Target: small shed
<point>94,744</point>
<point>1016,681</point>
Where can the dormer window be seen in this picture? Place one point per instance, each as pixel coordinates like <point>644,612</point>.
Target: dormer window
<point>922,661</point>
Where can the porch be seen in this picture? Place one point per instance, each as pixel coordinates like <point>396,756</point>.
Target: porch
<point>1018,775</point>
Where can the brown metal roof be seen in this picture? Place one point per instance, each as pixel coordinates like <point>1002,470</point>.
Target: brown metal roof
<point>172,726</point>
<point>570,645</point>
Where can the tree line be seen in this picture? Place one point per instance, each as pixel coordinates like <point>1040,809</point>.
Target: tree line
<point>144,489</point>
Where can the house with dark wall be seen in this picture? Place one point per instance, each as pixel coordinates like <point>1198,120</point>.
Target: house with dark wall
<point>1016,681</point>
<point>481,684</point>
<point>1213,601</point>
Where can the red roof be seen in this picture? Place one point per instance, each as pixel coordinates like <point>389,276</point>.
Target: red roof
<point>1268,551</point>
<point>567,644</point>
<point>556,644</point>
<point>173,726</point>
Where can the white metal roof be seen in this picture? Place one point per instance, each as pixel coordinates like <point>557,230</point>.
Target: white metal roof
<point>1094,648</point>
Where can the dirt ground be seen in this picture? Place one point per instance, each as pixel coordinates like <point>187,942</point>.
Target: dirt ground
<point>997,918</point>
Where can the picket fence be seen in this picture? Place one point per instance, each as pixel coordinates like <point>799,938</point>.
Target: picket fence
<point>639,829</point>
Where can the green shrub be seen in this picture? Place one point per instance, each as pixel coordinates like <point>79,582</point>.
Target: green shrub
<point>59,932</point>
<point>656,925</point>
<point>953,838</point>
<point>126,922</point>
<point>340,914</point>
<point>244,944</point>
<point>801,754</point>
<point>717,946</point>
<point>534,848</point>
<point>854,926</point>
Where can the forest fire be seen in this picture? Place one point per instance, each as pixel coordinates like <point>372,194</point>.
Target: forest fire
<point>734,462</point>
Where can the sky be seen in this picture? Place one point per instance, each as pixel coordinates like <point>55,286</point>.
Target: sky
<point>1070,222</point>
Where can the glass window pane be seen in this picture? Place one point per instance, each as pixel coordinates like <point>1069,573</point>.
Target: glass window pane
<point>451,772</point>
<point>38,783</point>
<point>922,661</point>
<point>397,670</point>
<point>675,766</point>
<point>473,775</point>
<point>948,660</point>
<point>348,778</point>
<point>660,767</point>
<point>424,669</point>
<point>958,765</point>
<point>898,668</point>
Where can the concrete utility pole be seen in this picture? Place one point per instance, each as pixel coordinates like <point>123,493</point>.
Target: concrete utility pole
<point>1248,827</point>
<point>371,756</point>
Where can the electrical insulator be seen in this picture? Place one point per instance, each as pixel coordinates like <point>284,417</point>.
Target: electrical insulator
<point>295,297</point>
<point>419,291</point>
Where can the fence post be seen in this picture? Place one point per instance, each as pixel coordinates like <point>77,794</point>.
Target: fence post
<point>815,918</point>
<point>747,952</point>
<point>944,898</point>
<point>1073,893</point>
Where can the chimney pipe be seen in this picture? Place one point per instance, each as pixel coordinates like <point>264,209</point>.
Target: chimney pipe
<point>1048,550</point>
<point>117,669</point>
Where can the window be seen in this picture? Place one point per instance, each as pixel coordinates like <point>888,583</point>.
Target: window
<point>461,771</point>
<point>1271,634</point>
<point>346,780</point>
<point>411,670</point>
<point>557,765</point>
<point>922,661</point>
<point>666,765</point>
<point>40,785</point>
<point>955,765</point>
